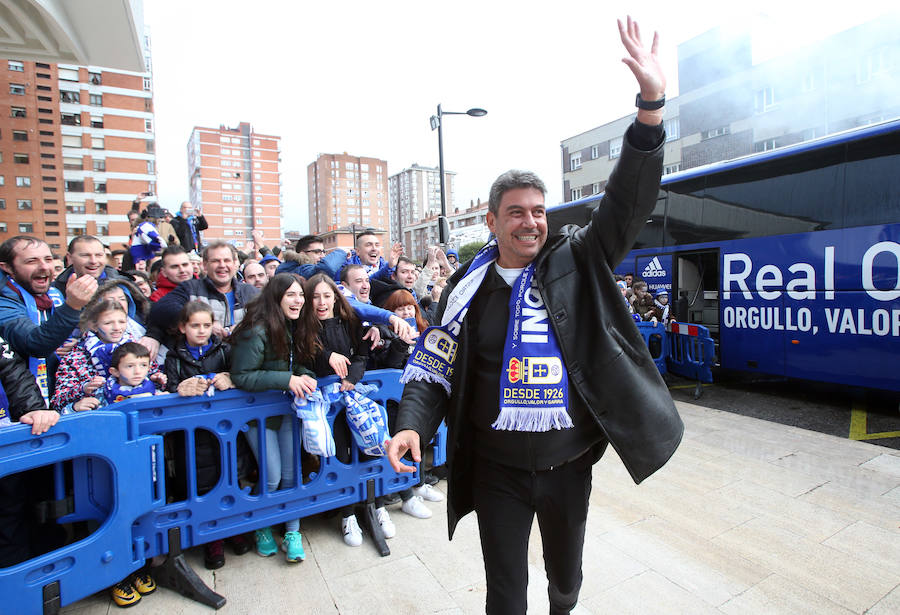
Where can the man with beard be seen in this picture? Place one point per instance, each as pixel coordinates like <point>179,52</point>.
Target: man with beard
<point>176,268</point>
<point>255,275</point>
<point>87,256</point>
<point>35,317</point>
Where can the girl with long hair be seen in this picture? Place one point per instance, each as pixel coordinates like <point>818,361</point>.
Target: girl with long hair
<point>266,354</point>
<point>333,344</point>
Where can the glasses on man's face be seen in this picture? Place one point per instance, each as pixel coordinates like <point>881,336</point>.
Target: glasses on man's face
<point>316,251</point>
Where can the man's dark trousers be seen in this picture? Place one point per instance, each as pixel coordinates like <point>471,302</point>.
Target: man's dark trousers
<point>506,500</point>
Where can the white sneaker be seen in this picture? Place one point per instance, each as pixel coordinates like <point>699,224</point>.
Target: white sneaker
<point>415,507</point>
<point>351,531</point>
<point>428,493</point>
<point>384,520</point>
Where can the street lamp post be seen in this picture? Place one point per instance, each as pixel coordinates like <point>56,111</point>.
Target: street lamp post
<point>438,123</point>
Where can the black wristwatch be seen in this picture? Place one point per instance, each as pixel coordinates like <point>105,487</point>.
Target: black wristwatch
<point>649,105</point>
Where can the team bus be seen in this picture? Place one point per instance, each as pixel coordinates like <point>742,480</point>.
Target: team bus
<point>790,257</point>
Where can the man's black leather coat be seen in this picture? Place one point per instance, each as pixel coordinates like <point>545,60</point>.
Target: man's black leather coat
<point>607,360</point>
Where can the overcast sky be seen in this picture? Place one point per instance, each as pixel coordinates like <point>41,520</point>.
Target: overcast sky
<point>364,77</point>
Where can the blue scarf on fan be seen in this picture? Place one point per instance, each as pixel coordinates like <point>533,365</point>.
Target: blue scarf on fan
<point>534,383</point>
<point>115,391</point>
<point>38,365</point>
<point>101,352</point>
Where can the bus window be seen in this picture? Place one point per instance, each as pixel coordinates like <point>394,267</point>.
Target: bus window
<point>684,209</point>
<point>872,183</point>
<point>787,195</point>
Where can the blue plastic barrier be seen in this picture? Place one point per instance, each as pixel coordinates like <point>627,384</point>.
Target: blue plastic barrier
<point>657,339</point>
<point>125,486</point>
<point>229,509</point>
<point>439,453</point>
<point>691,352</point>
<point>119,481</point>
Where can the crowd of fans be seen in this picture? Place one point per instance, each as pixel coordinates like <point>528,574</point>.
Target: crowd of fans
<point>174,315</point>
<point>644,305</point>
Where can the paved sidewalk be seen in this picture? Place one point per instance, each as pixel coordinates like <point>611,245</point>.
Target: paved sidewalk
<point>749,517</point>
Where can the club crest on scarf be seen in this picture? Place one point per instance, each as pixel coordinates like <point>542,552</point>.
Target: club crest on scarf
<point>534,384</point>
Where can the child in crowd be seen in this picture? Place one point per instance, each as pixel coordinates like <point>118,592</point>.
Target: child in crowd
<point>142,280</point>
<point>199,359</point>
<point>129,371</point>
<point>128,368</point>
<point>132,299</point>
<point>333,344</point>
<point>403,304</point>
<point>197,365</point>
<point>266,355</point>
<point>84,371</point>
<point>660,309</point>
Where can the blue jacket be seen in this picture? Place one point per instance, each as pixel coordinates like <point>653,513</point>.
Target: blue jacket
<point>330,265</point>
<point>29,339</point>
<point>383,272</point>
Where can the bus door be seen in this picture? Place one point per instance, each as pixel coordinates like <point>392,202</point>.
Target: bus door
<point>695,290</point>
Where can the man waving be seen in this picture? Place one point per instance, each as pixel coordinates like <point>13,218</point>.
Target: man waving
<point>537,365</point>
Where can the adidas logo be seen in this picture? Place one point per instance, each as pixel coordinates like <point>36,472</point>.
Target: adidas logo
<point>654,269</point>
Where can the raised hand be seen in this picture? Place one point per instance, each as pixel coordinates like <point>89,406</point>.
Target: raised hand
<point>80,290</point>
<point>644,63</point>
<point>396,253</point>
<point>403,330</point>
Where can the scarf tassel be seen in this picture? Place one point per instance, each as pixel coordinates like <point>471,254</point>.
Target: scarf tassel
<point>413,372</point>
<point>539,419</point>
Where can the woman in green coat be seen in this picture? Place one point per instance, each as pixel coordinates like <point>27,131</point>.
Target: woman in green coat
<point>266,356</point>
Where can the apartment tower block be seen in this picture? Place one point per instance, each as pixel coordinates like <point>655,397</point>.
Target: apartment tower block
<point>76,146</point>
<point>235,180</point>
<point>415,196</point>
<point>347,191</point>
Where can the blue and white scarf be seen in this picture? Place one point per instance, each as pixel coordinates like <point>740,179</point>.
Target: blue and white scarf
<point>146,242</point>
<point>101,352</point>
<point>113,391</point>
<point>367,420</point>
<point>534,383</point>
<point>38,365</point>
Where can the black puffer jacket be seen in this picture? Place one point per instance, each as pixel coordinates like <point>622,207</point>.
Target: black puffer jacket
<point>18,383</point>
<point>181,364</point>
<point>608,364</point>
<point>338,336</point>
